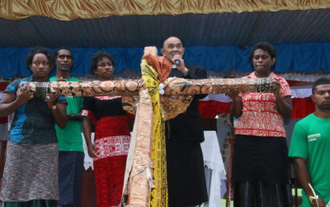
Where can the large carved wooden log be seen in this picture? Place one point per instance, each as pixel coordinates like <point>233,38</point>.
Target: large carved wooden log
<point>173,86</point>
<point>85,88</point>
<point>179,86</point>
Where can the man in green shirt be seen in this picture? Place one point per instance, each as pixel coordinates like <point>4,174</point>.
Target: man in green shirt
<point>309,147</point>
<point>70,143</point>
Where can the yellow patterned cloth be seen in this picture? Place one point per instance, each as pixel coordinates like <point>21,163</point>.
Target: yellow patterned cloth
<point>158,196</point>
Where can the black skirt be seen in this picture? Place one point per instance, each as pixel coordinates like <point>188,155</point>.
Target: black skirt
<point>261,194</point>
<point>260,159</point>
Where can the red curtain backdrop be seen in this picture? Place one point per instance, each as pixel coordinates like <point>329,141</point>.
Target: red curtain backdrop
<point>302,107</point>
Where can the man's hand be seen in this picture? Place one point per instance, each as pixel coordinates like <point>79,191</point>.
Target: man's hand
<point>92,150</point>
<point>320,202</point>
<point>181,67</point>
<point>150,50</point>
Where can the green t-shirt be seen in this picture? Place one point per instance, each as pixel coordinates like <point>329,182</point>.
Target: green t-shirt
<point>70,138</point>
<point>311,140</point>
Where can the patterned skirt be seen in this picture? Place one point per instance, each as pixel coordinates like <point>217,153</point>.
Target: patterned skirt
<point>31,172</point>
<point>109,169</point>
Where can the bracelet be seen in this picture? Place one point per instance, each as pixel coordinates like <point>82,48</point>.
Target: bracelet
<point>315,197</point>
<point>311,198</point>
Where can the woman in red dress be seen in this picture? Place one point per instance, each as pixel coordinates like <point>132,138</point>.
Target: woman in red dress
<point>112,136</point>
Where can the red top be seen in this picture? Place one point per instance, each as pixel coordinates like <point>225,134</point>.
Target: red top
<point>260,116</point>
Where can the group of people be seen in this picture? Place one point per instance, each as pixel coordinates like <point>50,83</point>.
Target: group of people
<point>44,162</point>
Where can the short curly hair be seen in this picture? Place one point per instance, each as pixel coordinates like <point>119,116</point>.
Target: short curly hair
<point>263,46</point>
<point>39,49</point>
<point>98,56</point>
<point>320,81</point>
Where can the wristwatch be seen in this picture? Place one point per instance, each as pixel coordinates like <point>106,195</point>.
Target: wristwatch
<point>54,107</point>
<point>185,71</point>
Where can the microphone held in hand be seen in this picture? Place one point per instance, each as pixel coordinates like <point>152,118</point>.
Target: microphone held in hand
<point>177,62</point>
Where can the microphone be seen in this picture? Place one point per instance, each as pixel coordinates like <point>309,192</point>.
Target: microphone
<point>177,63</point>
